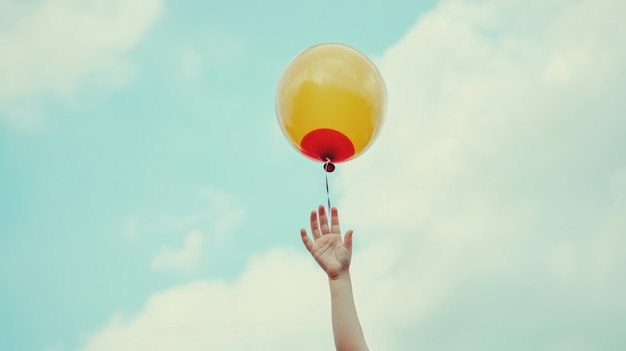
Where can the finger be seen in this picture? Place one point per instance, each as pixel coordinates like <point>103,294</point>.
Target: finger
<point>334,221</point>
<point>347,240</point>
<point>306,240</point>
<point>314,226</point>
<point>323,220</point>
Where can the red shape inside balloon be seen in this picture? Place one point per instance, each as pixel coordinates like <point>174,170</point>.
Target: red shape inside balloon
<point>323,144</point>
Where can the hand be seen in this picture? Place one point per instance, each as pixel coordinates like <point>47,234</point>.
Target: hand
<point>330,252</point>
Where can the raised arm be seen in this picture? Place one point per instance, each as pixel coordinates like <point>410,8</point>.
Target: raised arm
<point>333,254</point>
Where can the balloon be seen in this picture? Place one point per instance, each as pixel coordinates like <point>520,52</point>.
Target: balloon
<point>331,103</point>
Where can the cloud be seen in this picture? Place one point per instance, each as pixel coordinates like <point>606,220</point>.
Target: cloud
<point>490,201</point>
<point>228,215</point>
<point>488,216</point>
<point>56,46</point>
<point>219,216</point>
<point>269,307</point>
<point>208,49</point>
<point>206,230</point>
<point>185,259</point>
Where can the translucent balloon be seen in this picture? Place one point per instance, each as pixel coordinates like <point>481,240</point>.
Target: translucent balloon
<point>331,102</point>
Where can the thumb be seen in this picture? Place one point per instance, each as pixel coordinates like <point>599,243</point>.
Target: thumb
<point>347,240</point>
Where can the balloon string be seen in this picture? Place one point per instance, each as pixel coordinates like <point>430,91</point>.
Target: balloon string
<point>327,189</point>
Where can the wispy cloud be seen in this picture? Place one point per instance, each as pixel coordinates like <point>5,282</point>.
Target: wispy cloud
<point>207,227</point>
<point>215,213</point>
<point>209,50</point>
<point>227,214</point>
<point>54,47</point>
<point>182,260</point>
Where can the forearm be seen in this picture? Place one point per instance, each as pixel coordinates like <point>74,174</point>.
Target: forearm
<point>346,327</point>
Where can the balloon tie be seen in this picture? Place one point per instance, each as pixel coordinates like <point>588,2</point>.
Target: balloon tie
<point>328,167</point>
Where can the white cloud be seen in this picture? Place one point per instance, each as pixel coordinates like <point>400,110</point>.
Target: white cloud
<point>227,223</point>
<point>55,46</point>
<point>219,216</point>
<point>208,49</point>
<point>185,259</point>
<point>493,182</point>
<point>488,216</point>
<point>268,308</point>
<point>227,214</point>
<point>206,230</point>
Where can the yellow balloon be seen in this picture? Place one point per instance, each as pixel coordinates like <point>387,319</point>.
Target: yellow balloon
<point>331,102</point>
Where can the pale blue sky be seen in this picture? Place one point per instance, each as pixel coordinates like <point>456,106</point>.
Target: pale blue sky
<point>141,166</point>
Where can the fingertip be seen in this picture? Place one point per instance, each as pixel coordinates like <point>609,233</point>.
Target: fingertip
<point>305,239</point>
<point>348,235</point>
<point>347,239</point>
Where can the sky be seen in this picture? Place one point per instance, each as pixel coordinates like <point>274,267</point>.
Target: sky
<point>149,201</point>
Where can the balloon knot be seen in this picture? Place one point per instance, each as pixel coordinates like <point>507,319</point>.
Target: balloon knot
<point>329,166</point>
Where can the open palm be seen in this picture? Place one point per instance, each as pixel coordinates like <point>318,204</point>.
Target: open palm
<point>327,247</point>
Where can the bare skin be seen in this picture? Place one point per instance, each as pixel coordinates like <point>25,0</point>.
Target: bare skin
<point>333,254</point>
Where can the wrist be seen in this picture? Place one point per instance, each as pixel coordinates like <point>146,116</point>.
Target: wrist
<point>339,276</point>
<point>340,284</point>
